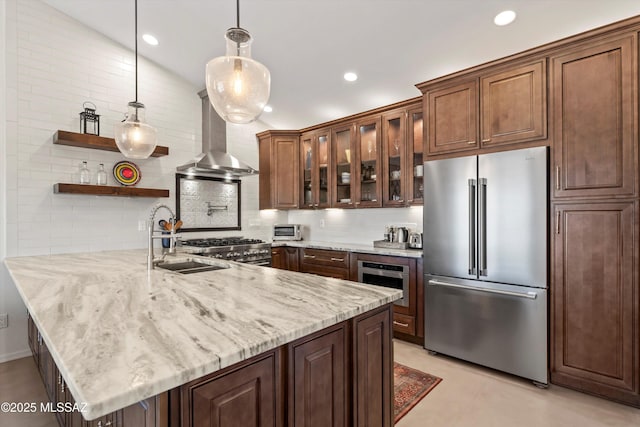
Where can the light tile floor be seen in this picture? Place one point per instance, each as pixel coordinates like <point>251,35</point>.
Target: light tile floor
<point>468,396</point>
<point>472,396</point>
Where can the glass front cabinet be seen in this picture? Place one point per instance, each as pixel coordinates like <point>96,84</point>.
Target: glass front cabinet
<point>342,156</point>
<point>368,174</point>
<point>402,157</point>
<point>315,167</point>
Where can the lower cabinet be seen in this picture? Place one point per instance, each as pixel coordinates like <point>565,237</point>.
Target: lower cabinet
<point>245,396</point>
<point>318,380</point>
<point>595,315</point>
<point>285,258</point>
<point>324,262</point>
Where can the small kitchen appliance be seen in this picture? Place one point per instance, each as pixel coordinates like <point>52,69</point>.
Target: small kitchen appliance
<point>287,232</point>
<point>415,240</point>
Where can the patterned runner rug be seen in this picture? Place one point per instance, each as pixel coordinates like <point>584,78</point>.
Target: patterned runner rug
<point>409,387</point>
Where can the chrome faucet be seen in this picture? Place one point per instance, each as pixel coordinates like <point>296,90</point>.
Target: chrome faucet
<point>173,237</point>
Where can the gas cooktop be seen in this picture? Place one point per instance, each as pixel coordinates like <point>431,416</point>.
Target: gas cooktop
<point>222,241</point>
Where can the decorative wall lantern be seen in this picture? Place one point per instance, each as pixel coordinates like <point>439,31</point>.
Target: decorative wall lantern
<point>89,120</point>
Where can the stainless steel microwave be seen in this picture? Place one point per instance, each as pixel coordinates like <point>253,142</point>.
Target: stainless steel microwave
<point>287,232</point>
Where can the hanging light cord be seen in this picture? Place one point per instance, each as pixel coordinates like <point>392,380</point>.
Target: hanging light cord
<point>136,31</point>
<point>237,13</point>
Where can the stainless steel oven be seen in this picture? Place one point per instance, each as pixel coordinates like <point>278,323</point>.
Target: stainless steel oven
<point>389,275</point>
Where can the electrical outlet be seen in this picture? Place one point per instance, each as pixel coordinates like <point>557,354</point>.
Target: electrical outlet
<point>4,320</point>
<point>322,223</point>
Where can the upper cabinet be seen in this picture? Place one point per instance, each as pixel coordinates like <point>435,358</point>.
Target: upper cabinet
<point>487,109</point>
<point>368,174</point>
<point>594,91</point>
<point>342,160</point>
<point>279,152</point>
<point>513,105</point>
<point>452,113</point>
<point>315,170</point>
<point>402,153</point>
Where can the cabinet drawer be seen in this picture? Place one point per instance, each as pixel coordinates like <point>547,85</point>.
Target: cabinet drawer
<point>403,323</point>
<point>325,257</point>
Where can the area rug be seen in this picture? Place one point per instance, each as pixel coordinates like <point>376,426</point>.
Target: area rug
<point>409,387</point>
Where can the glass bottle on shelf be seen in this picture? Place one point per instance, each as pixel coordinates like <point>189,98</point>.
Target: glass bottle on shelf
<point>101,175</point>
<point>85,174</point>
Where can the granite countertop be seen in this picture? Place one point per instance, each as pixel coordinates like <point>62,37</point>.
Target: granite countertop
<point>120,334</point>
<point>350,247</point>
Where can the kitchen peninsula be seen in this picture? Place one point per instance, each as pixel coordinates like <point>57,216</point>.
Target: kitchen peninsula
<point>237,344</point>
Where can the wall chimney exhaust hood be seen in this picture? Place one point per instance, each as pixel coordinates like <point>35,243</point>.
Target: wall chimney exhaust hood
<point>214,159</point>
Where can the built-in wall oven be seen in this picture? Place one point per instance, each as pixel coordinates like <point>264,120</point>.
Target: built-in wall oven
<point>389,275</point>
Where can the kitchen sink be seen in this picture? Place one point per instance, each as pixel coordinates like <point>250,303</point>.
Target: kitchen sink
<point>190,266</point>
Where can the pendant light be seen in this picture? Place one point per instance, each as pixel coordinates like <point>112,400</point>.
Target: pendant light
<point>238,86</point>
<point>135,138</point>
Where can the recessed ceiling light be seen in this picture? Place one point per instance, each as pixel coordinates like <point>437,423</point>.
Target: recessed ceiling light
<point>150,39</point>
<point>504,18</point>
<point>350,77</point>
<point>267,109</point>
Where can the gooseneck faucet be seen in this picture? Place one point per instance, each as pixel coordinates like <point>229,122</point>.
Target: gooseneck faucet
<point>151,260</point>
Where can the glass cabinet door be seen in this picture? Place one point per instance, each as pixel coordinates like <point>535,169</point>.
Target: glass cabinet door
<point>415,188</point>
<point>369,173</point>
<point>343,154</point>
<point>306,162</point>
<point>394,144</point>
<point>322,187</point>
<point>314,152</point>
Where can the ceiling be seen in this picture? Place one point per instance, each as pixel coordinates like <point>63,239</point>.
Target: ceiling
<point>309,44</point>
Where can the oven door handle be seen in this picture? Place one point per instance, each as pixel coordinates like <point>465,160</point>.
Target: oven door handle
<point>385,273</point>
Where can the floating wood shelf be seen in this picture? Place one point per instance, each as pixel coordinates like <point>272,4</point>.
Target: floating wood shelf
<point>63,137</point>
<point>107,190</point>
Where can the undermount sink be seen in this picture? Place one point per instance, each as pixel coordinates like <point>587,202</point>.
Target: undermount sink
<point>190,266</point>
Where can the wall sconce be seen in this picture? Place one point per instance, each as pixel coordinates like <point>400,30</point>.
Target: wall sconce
<point>89,120</point>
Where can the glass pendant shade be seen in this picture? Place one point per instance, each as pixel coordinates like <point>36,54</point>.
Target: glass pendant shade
<point>238,86</point>
<point>135,138</point>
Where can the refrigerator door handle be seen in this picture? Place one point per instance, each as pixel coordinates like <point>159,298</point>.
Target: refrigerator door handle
<point>528,295</point>
<point>472,226</point>
<point>482,226</point>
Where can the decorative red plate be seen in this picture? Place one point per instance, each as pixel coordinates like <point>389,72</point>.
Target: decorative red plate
<point>126,173</point>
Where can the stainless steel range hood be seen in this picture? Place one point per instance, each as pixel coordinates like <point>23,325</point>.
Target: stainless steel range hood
<point>214,159</point>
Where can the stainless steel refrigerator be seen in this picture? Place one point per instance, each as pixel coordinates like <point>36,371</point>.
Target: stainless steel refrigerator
<point>485,260</point>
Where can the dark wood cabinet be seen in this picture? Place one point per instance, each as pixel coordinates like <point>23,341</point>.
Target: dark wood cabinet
<point>279,152</point>
<point>315,169</point>
<point>373,370</point>
<point>513,105</point>
<point>487,109</point>
<point>318,379</point>
<point>145,413</point>
<point>594,93</point>
<point>595,304</point>
<point>325,262</point>
<point>452,118</point>
<point>245,396</point>
<point>285,258</point>
<point>368,165</point>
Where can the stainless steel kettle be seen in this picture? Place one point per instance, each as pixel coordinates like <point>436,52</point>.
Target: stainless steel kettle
<point>402,235</point>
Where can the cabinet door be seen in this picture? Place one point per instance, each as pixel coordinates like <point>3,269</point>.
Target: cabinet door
<point>278,258</point>
<point>513,105</point>
<point>60,393</point>
<point>394,149</point>
<point>368,163</point>
<point>415,159</point>
<point>244,397</point>
<point>343,154</point>
<point>452,115</point>
<point>373,370</point>
<point>594,91</point>
<point>284,173</point>
<point>595,299</point>
<point>141,414</point>
<point>318,391</point>
<point>307,160</point>
<point>292,259</point>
